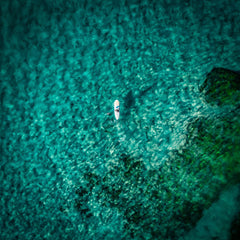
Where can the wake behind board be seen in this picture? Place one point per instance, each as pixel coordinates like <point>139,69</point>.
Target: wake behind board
<point>116,109</point>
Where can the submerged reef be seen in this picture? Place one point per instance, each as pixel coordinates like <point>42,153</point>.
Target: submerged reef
<point>169,200</point>
<point>213,142</point>
<point>150,206</point>
<point>218,136</point>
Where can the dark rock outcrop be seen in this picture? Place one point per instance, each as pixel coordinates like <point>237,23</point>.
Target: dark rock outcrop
<point>222,87</point>
<point>235,228</point>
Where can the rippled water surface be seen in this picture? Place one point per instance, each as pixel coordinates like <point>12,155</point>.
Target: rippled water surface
<point>63,156</point>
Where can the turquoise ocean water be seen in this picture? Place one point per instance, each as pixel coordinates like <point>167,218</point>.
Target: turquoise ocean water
<point>68,169</point>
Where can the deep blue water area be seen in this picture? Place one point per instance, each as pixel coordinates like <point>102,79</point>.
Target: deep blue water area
<point>68,169</point>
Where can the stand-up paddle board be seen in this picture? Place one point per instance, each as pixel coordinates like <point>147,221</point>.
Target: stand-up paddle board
<point>116,109</point>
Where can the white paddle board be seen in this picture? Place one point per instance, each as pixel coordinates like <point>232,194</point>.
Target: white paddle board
<point>116,109</point>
